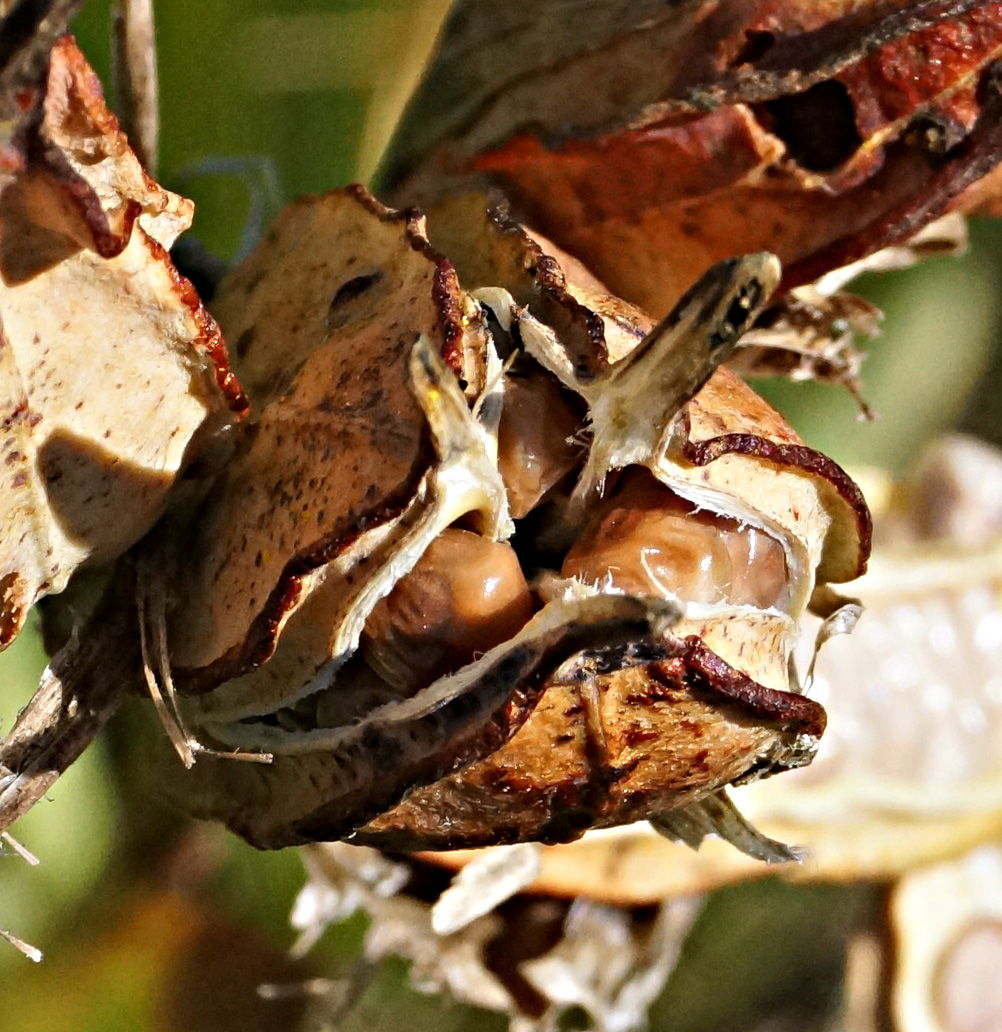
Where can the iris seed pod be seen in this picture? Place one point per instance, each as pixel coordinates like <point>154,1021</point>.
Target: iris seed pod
<point>597,691</point>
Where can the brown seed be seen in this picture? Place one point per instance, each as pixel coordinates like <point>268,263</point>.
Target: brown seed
<point>647,540</point>
<point>534,439</point>
<point>465,595</point>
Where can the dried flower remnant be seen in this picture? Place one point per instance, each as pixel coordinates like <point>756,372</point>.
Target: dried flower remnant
<point>298,631</point>
<point>819,131</point>
<point>110,368</point>
<point>535,960</point>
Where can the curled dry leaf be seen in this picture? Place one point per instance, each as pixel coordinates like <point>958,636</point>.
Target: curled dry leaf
<point>819,131</point>
<point>329,601</point>
<point>111,370</point>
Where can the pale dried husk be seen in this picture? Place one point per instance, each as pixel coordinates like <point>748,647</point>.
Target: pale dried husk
<point>111,370</point>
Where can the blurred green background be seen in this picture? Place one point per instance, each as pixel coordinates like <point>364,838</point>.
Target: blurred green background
<point>150,924</point>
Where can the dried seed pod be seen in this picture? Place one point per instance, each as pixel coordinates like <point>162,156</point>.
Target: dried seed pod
<point>110,368</point>
<point>604,707</point>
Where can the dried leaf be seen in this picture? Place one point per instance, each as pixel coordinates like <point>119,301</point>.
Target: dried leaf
<point>819,131</point>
